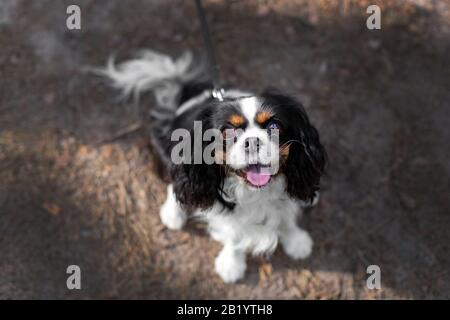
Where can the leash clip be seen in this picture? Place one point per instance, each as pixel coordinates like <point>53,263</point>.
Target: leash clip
<point>218,93</point>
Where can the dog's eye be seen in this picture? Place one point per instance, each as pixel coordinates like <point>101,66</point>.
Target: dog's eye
<point>273,127</point>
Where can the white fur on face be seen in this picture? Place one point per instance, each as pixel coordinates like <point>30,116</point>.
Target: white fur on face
<point>249,107</point>
<point>268,153</point>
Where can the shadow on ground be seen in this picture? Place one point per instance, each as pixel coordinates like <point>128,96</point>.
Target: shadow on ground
<point>79,183</point>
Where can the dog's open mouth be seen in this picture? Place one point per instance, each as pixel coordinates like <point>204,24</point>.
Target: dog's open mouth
<point>256,175</point>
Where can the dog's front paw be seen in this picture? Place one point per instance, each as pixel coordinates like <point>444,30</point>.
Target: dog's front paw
<point>172,216</point>
<point>298,245</point>
<point>230,266</point>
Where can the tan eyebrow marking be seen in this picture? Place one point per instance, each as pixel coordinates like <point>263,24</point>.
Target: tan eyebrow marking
<point>236,120</point>
<point>263,116</point>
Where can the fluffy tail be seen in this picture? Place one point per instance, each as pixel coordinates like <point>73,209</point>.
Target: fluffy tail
<point>153,71</point>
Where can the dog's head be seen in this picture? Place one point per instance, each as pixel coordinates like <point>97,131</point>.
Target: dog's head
<point>254,139</point>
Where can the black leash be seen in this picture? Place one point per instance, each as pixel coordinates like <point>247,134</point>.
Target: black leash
<point>214,67</point>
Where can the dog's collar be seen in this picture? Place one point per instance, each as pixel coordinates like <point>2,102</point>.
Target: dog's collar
<point>205,95</point>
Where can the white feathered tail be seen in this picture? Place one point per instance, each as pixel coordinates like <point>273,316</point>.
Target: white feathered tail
<point>153,71</point>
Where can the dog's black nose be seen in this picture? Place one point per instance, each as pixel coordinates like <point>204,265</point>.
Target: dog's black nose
<point>252,144</point>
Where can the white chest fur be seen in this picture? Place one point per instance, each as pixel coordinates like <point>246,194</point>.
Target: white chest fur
<point>258,218</point>
<point>259,221</point>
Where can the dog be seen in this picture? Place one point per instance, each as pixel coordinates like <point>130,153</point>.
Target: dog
<point>253,191</point>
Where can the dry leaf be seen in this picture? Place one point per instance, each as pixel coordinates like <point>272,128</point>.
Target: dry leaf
<point>265,271</point>
<point>52,208</point>
<point>82,152</point>
<point>184,237</point>
<point>107,151</point>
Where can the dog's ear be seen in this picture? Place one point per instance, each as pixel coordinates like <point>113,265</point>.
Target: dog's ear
<point>196,183</point>
<point>307,157</point>
<point>305,164</point>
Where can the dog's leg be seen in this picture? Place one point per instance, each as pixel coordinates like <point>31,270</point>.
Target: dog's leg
<point>230,264</point>
<point>172,215</point>
<point>296,242</point>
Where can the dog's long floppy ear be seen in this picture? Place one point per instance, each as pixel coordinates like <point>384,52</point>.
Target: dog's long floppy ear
<point>198,185</point>
<point>307,157</point>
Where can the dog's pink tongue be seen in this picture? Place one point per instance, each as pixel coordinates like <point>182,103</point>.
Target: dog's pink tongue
<point>256,177</point>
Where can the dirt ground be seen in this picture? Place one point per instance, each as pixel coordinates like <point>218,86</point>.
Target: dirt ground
<point>77,177</point>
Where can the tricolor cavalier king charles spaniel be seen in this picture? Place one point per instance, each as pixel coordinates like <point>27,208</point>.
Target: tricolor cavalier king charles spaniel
<point>252,193</point>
